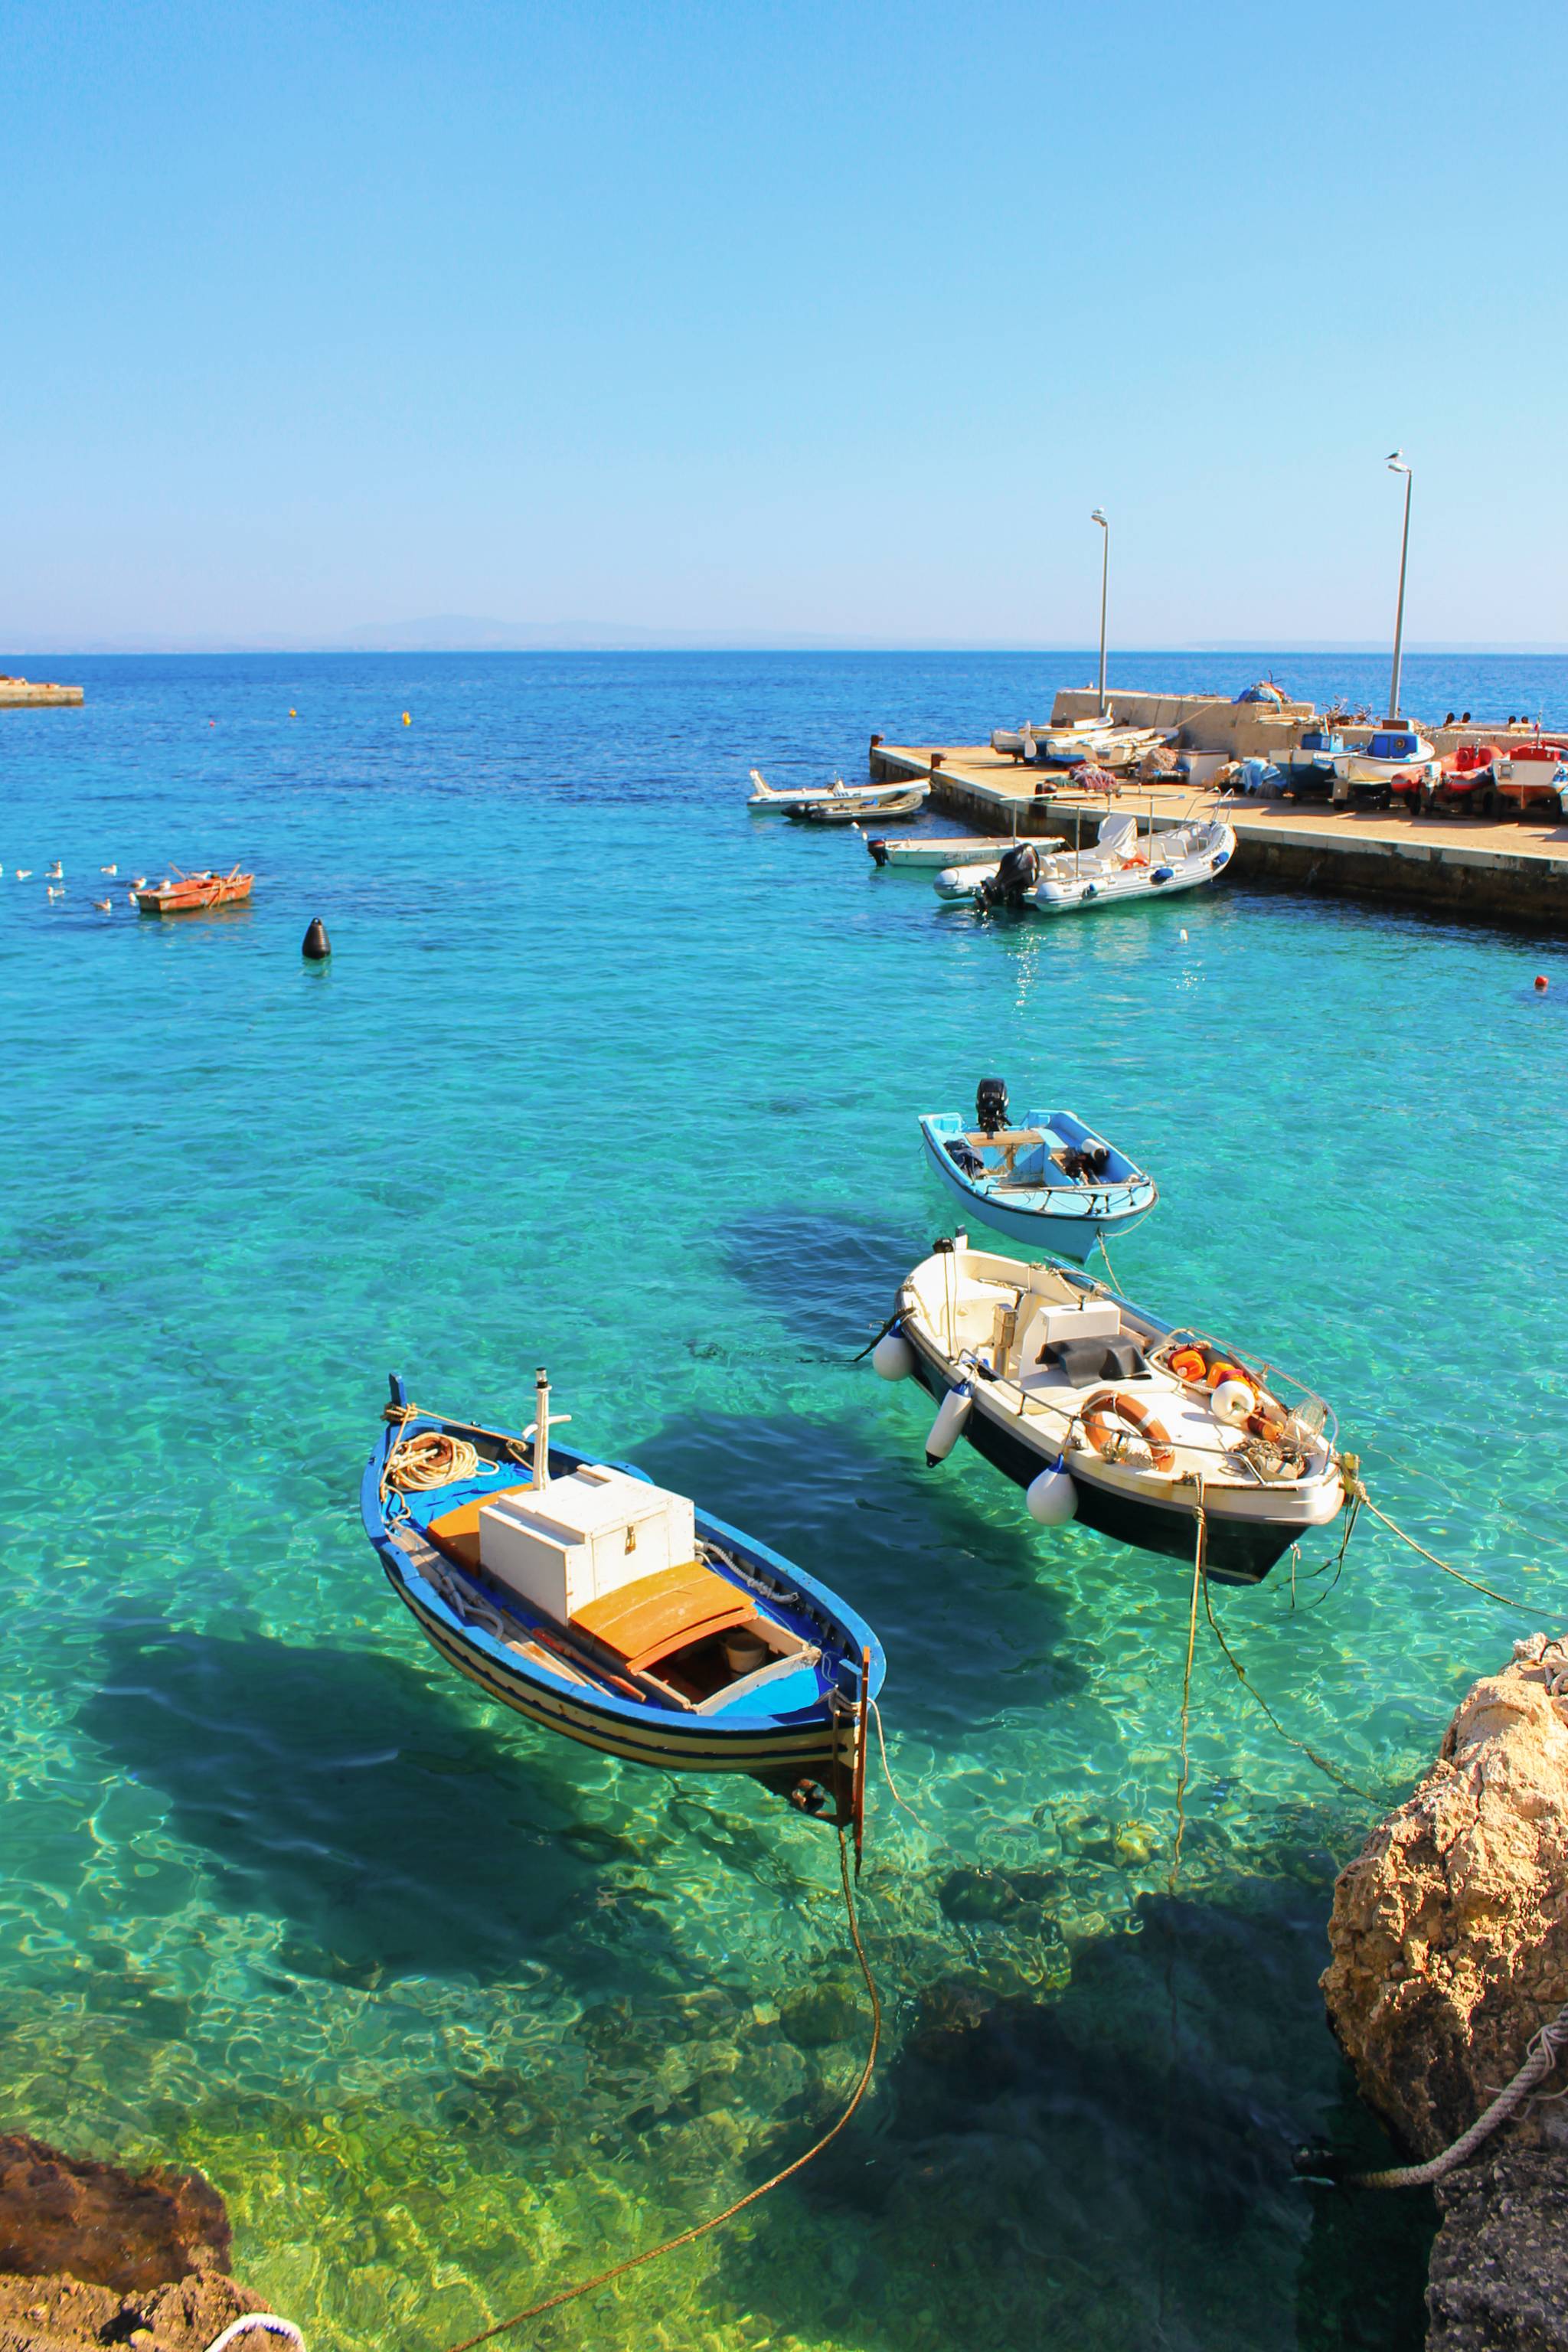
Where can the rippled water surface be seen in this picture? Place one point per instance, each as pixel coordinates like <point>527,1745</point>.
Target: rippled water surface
<point>607,1074</point>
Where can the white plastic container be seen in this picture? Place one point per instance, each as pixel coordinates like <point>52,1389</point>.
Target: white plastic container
<point>584,1535</point>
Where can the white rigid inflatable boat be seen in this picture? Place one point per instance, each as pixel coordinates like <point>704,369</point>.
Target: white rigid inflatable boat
<point>1124,864</point>
<point>1107,1415</point>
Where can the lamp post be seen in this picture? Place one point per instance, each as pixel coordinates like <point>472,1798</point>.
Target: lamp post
<point>1104,577</point>
<point>1396,465</point>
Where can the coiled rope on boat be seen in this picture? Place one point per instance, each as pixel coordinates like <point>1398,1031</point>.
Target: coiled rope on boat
<point>431,1458</point>
<point>1542,2054</point>
<point>716,2221</point>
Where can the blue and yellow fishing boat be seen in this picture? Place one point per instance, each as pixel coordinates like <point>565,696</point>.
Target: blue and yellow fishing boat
<point>610,1609</point>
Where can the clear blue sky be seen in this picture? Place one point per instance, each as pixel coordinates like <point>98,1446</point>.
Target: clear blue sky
<point>817,319</point>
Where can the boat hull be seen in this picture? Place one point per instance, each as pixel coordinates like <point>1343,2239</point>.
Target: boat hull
<point>1136,889</point>
<point>1063,1232</point>
<point>817,1740</point>
<point>1236,1551</point>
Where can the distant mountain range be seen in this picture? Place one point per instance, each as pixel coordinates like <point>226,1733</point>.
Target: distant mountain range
<point>468,633</point>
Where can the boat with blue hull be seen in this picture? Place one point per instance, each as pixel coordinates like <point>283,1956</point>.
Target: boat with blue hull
<point>603,1607</point>
<point>1046,1180</point>
<point>1156,1435</point>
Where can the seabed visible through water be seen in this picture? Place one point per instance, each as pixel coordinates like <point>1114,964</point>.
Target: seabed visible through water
<point>604,1073</point>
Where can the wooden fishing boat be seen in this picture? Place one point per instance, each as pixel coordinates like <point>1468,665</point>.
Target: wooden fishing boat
<point>1105,1414</point>
<point>187,893</point>
<point>603,1607</point>
<point>1533,774</point>
<point>841,808</point>
<point>1045,1180</point>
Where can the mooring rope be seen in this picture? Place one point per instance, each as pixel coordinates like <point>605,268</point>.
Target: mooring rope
<point>1542,2054</point>
<point>431,1458</point>
<point>1110,1269</point>
<point>270,2325</point>
<point>1187,1687</point>
<point>887,1768</point>
<point>715,2221</point>
<point>1523,1608</point>
<point>1253,1692</point>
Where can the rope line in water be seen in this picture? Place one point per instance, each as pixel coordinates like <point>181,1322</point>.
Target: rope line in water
<point>888,1769</point>
<point>714,2220</point>
<point>1542,2054</point>
<point>266,2321</point>
<point>1198,1578</point>
<point>1523,1608</point>
<point>1252,1691</point>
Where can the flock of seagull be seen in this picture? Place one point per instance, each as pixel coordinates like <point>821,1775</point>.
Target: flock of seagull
<point>54,882</point>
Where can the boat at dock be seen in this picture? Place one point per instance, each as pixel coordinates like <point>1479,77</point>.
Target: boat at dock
<point>1310,771</point>
<point>1124,866</point>
<point>854,800</point>
<point>186,893</point>
<point>617,1614</point>
<point>1100,741</point>
<point>1045,1180</point>
<point>921,852</point>
<point>1533,774</point>
<point>1394,751</point>
<point>843,808</point>
<point>1146,1431</point>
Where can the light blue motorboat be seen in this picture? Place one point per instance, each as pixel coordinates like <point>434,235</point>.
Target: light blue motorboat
<point>1047,1181</point>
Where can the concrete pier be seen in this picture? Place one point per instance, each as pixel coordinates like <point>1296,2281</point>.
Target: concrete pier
<point>22,693</point>
<point>1512,872</point>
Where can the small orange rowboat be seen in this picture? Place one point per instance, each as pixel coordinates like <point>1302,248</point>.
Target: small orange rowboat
<point>188,891</point>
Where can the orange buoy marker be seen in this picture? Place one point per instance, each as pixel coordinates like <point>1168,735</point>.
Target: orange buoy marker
<point>406,720</point>
<point>293,714</point>
<point>316,947</point>
<point>1540,980</point>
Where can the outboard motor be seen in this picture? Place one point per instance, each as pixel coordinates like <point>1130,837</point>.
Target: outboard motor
<point>991,1106</point>
<point>1018,871</point>
<point>878,847</point>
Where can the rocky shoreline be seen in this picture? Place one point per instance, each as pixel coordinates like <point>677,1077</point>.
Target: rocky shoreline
<point>1450,1940</point>
<point>92,2255</point>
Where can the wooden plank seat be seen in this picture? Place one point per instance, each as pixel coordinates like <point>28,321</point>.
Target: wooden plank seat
<point>661,1614</point>
<point>457,1533</point>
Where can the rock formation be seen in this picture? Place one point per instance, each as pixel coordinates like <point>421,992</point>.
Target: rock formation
<point>1449,1938</point>
<point>92,2255</point>
<point>1450,1929</point>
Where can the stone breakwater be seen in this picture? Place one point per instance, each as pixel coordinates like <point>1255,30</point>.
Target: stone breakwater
<point>1449,1937</point>
<point>19,693</point>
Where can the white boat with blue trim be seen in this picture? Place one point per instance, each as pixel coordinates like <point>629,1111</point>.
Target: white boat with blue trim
<point>1045,1180</point>
<point>605,1608</point>
<point>838,800</point>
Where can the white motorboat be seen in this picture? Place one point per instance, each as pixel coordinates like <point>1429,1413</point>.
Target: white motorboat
<point>856,799</point>
<point>1123,865</point>
<point>1106,1413</point>
<point>920,851</point>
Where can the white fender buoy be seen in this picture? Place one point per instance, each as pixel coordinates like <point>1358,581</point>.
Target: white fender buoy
<point>951,1414</point>
<point>893,1357</point>
<point>1233,1401</point>
<point>1052,1498</point>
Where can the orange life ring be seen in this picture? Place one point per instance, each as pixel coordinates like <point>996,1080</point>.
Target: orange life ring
<point>1138,1417</point>
<point>1190,1364</point>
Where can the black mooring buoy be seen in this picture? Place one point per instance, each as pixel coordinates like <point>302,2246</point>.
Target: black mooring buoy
<point>317,947</point>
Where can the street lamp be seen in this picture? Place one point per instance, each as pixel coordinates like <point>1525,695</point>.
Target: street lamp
<point>1396,465</point>
<point>1104,576</point>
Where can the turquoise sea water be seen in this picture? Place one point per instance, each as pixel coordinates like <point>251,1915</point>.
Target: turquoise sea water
<point>606,1074</point>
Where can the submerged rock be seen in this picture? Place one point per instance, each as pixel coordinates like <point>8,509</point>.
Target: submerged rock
<point>822,2013</point>
<point>1449,1931</point>
<point>978,1895</point>
<point>103,2226</point>
<point>1500,2267</point>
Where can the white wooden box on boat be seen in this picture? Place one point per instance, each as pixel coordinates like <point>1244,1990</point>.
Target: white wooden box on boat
<point>567,1544</point>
